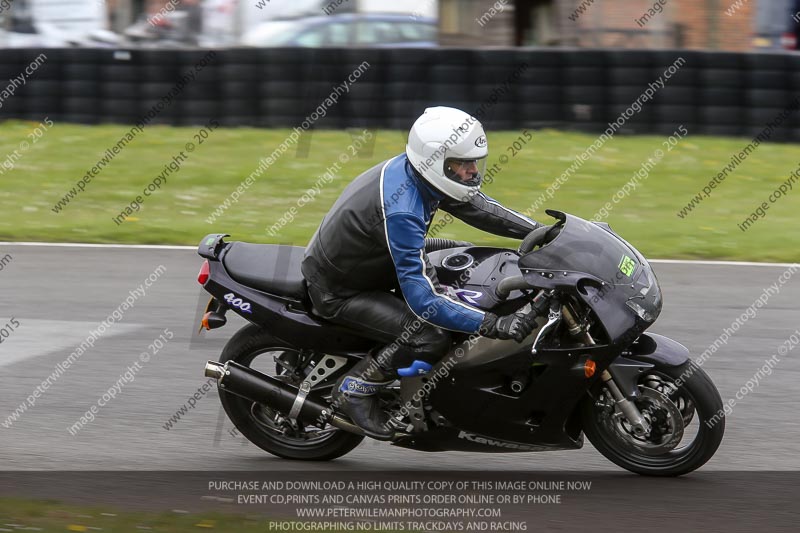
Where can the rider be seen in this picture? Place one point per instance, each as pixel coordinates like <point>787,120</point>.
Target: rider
<point>373,241</point>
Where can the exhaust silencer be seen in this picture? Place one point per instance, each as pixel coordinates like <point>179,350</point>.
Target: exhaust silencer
<point>259,387</point>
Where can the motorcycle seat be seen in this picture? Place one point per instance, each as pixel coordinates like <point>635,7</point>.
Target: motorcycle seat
<point>271,268</point>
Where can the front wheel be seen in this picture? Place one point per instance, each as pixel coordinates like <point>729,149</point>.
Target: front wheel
<point>268,429</point>
<point>681,405</point>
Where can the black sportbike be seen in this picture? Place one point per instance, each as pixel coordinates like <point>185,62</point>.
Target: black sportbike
<point>588,368</point>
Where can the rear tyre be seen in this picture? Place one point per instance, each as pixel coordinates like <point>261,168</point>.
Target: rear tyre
<point>254,347</point>
<point>686,427</point>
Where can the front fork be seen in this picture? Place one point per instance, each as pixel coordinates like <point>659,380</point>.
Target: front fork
<point>639,424</point>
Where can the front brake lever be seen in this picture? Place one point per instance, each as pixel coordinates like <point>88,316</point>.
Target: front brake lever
<point>553,318</point>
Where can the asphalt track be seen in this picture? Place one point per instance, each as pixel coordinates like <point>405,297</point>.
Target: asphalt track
<point>125,458</point>
<point>59,294</point>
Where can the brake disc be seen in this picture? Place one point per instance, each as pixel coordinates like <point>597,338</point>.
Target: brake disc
<point>684,402</point>
<point>666,424</point>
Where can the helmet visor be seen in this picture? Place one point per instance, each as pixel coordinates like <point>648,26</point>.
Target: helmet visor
<point>467,172</point>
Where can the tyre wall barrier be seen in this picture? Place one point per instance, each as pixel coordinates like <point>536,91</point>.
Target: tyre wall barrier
<point>715,93</point>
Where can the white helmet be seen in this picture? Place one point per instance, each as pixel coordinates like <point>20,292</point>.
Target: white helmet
<point>448,147</point>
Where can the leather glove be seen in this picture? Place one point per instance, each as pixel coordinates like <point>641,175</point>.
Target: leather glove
<point>515,326</point>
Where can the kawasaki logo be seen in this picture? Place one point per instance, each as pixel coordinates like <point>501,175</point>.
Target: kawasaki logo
<point>496,443</point>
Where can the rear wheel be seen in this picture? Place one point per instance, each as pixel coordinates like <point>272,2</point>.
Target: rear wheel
<point>268,429</point>
<point>685,430</point>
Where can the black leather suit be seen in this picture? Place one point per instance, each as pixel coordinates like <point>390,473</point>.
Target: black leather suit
<point>372,243</point>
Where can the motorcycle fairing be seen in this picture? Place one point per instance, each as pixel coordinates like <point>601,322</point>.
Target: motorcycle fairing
<point>621,281</point>
<point>452,439</point>
<point>288,319</point>
<point>658,349</point>
<point>469,392</point>
<point>211,245</point>
<point>487,269</point>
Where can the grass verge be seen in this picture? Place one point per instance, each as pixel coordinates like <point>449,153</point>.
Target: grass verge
<point>48,516</point>
<point>178,212</point>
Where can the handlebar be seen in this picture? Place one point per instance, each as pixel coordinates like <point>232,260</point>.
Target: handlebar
<point>539,237</point>
<point>435,244</point>
<point>509,284</point>
<point>539,304</point>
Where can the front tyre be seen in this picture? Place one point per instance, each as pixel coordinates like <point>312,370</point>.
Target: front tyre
<point>254,347</point>
<point>686,429</point>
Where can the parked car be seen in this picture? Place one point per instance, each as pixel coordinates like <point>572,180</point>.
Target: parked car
<point>345,30</point>
<point>48,24</point>
<point>777,24</point>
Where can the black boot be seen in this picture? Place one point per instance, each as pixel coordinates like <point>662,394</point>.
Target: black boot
<point>356,395</point>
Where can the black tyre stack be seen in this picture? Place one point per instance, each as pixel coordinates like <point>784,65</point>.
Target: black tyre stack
<point>160,72</point>
<point>677,102</point>
<point>767,95</point>
<point>281,94</point>
<point>495,80</point>
<point>585,79</point>
<point>540,93</point>
<point>35,96</point>
<point>41,95</point>
<point>409,87</point>
<point>714,93</point>
<point>793,66</point>
<point>629,75</point>
<point>120,86</point>
<point>365,105</point>
<point>11,63</point>
<point>240,72</point>
<point>452,80</point>
<point>201,99</point>
<point>82,86</point>
<point>721,104</point>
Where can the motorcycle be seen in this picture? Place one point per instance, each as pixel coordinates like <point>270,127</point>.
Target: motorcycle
<point>589,368</point>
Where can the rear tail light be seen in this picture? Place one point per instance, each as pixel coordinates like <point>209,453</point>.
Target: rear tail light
<point>789,41</point>
<point>202,277</point>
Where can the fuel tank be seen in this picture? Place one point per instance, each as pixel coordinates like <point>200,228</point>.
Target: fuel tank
<point>474,272</point>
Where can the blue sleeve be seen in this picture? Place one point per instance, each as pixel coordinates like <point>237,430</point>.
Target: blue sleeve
<point>405,234</point>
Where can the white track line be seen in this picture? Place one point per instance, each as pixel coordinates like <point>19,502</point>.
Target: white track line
<point>90,245</point>
<point>730,263</point>
<point>175,247</point>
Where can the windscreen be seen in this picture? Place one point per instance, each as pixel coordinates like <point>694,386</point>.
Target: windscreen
<point>583,246</point>
<point>629,300</point>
